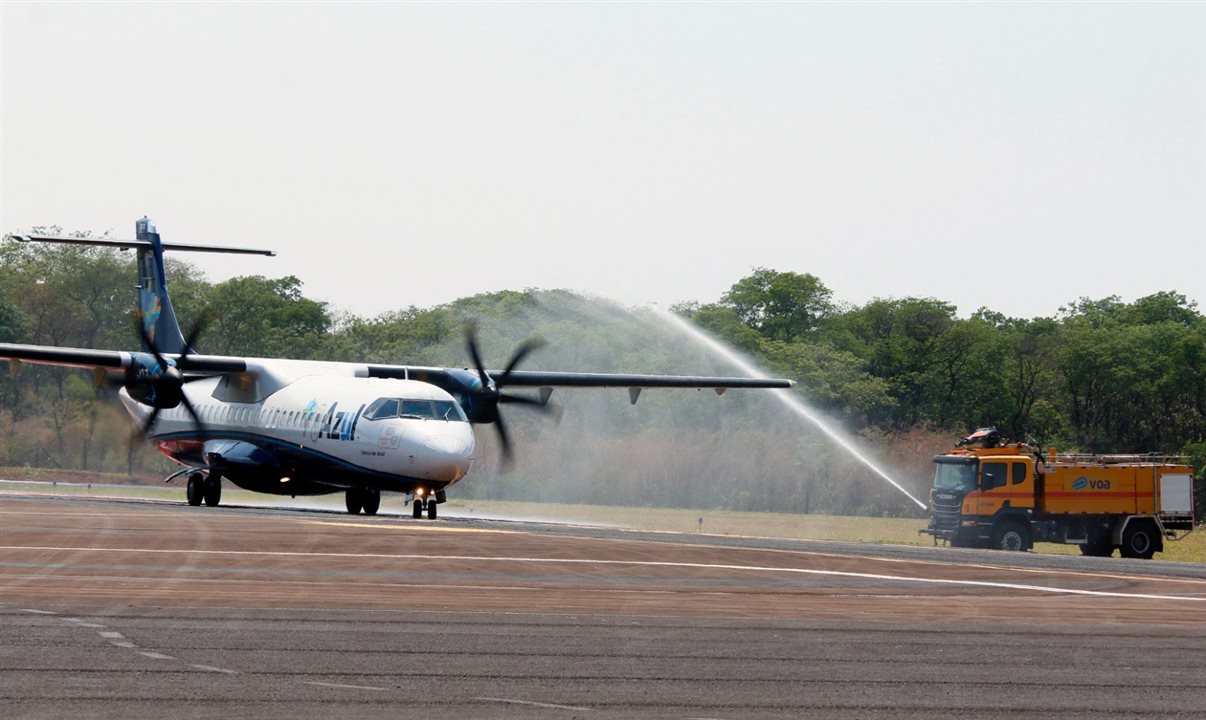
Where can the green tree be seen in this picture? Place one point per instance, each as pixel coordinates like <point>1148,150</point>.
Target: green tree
<point>264,317</point>
<point>779,305</point>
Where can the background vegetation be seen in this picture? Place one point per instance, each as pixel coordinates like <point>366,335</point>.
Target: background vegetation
<point>905,375</point>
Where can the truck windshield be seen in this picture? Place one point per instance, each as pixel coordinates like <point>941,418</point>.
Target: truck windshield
<point>955,476</point>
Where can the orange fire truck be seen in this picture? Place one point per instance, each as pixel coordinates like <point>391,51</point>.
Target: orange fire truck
<point>992,493</point>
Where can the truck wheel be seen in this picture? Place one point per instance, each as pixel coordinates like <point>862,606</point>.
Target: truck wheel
<point>1097,548</point>
<point>1139,541</point>
<point>1011,536</point>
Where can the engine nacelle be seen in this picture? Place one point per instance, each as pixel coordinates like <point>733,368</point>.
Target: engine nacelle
<point>148,382</point>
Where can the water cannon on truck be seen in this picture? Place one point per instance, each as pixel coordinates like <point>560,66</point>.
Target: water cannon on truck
<point>995,493</point>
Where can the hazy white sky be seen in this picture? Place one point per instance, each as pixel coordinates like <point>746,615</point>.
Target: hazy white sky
<point>1015,156</point>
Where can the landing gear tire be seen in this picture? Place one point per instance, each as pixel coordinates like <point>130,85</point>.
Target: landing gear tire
<point>213,491</point>
<point>370,499</point>
<point>354,500</point>
<point>1011,536</point>
<point>196,489</point>
<point>418,508</point>
<point>1139,541</point>
<point>431,509</point>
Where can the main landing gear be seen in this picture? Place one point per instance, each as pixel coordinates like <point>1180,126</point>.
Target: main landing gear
<point>202,488</point>
<point>366,499</point>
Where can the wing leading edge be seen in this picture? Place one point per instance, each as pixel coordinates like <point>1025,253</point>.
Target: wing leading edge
<point>540,378</point>
<point>110,359</point>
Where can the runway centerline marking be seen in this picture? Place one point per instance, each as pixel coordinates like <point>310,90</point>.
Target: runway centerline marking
<point>635,563</point>
<point>155,655</point>
<point>211,668</point>
<point>341,685</point>
<point>38,612</point>
<point>534,704</point>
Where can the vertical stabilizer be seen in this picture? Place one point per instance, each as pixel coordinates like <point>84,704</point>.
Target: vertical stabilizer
<point>158,317</point>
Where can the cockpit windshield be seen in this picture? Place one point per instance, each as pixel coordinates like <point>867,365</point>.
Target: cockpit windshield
<point>959,476</point>
<point>383,408</point>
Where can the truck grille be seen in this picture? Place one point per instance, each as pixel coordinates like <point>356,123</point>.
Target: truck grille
<point>945,519</point>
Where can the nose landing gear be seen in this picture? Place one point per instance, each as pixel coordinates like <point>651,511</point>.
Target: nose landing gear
<point>430,505</point>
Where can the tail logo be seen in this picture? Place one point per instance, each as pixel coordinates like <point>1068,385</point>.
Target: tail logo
<point>152,308</point>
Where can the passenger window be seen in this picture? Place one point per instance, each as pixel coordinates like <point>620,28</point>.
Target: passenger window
<point>1019,473</point>
<point>994,475</point>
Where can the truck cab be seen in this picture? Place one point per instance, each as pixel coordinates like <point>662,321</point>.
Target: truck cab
<point>979,491</point>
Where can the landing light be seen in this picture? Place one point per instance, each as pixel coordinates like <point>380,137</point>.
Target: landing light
<point>285,479</point>
<point>419,492</point>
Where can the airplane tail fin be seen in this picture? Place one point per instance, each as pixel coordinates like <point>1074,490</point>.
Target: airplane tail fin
<point>158,316</point>
<point>154,304</point>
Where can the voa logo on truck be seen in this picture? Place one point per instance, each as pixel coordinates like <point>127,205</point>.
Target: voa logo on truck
<point>1083,483</point>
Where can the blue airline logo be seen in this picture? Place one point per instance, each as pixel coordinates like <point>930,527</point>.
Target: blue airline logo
<point>1082,483</point>
<point>333,425</point>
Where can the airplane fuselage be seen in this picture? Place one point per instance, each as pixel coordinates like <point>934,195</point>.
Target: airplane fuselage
<point>318,434</point>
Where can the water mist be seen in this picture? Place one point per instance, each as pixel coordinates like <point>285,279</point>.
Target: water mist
<point>792,401</point>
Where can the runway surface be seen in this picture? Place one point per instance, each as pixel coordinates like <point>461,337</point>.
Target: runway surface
<point>142,609</point>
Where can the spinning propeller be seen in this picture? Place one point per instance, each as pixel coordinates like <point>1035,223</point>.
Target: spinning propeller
<point>159,381</point>
<point>489,395</point>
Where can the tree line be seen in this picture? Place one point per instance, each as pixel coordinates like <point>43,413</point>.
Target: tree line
<point>906,375</point>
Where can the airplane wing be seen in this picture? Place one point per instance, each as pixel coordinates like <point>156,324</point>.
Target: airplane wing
<point>536,378</point>
<point>464,380</point>
<point>112,359</point>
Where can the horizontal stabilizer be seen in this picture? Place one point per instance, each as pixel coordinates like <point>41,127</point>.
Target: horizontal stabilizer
<point>127,244</point>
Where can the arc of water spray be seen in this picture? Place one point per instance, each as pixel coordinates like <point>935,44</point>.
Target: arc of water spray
<point>792,402</point>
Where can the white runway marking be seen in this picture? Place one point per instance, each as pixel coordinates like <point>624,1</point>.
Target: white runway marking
<point>122,644</point>
<point>640,563</point>
<point>155,655</point>
<point>535,704</point>
<point>110,635</point>
<point>341,685</point>
<point>211,668</point>
<point>38,612</point>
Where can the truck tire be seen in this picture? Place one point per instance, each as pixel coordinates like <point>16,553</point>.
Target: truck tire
<point>1140,541</point>
<point>1011,535</point>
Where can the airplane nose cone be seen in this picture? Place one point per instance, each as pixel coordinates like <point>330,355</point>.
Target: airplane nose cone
<point>448,455</point>
<point>447,445</point>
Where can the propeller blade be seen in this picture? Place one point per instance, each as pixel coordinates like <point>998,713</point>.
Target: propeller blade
<point>146,339</point>
<point>505,439</point>
<point>146,427</point>
<point>193,411</point>
<point>532,344</point>
<point>533,403</point>
<point>193,335</point>
<point>471,344</point>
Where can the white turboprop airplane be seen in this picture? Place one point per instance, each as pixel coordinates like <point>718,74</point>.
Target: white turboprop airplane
<point>293,427</point>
